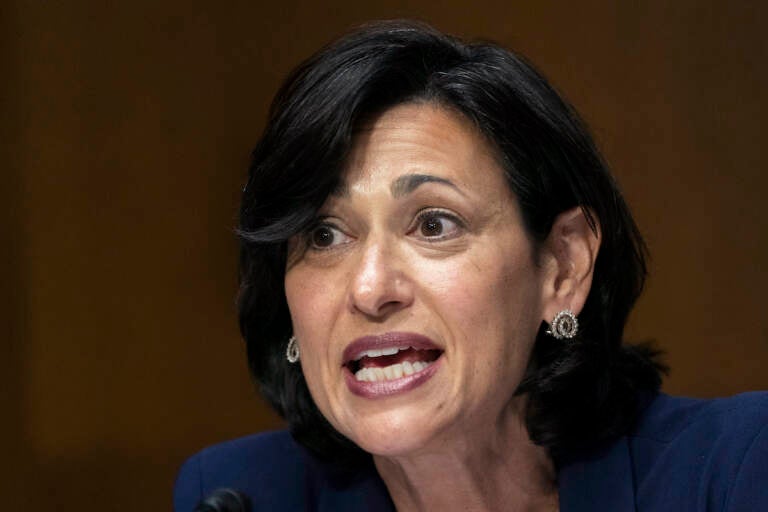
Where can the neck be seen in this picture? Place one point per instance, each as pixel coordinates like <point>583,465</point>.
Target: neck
<point>496,468</point>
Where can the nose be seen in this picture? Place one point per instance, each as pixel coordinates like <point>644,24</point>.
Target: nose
<point>379,285</point>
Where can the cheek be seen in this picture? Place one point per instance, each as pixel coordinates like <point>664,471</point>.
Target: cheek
<point>496,300</point>
<point>296,293</point>
<point>483,283</point>
<point>304,293</point>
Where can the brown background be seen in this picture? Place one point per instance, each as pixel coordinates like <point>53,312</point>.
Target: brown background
<point>126,129</point>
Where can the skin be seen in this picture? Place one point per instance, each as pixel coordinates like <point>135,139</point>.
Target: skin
<point>464,275</point>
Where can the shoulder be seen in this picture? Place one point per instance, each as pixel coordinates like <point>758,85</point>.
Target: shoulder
<point>711,454</point>
<point>270,466</point>
<point>667,417</point>
<point>276,473</point>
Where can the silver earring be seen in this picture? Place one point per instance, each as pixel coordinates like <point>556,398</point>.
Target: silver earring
<point>565,325</point>
<point>292,352</point>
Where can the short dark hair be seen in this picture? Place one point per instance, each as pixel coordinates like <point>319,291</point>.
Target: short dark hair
<point>581,391</point>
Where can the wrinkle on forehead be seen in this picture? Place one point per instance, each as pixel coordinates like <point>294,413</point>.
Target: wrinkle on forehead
<point>394,131</point>
<point>403,185</point>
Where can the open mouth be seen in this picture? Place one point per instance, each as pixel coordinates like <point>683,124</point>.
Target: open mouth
<point>391,363</point>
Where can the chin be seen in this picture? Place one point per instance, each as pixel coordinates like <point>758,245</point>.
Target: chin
<point>394,433</point>
<point>389,446</point>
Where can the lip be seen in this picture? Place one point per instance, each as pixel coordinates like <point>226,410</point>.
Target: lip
<point>390,339</point>
<point>389,387</point>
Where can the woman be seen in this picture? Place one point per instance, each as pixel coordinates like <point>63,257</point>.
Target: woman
<point>436,271</point>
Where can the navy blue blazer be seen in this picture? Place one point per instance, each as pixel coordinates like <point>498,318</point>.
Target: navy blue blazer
<point>683,455</point>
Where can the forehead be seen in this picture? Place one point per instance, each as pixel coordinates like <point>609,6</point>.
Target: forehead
<point>425,141</point>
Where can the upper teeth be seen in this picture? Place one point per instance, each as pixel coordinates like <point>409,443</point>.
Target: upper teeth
<point>389,351</point>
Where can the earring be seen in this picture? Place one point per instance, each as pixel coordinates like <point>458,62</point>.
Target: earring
<point>565,325</point>
<point>292,352</point>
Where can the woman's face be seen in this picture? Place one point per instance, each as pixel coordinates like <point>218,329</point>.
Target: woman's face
<point>416,298</point>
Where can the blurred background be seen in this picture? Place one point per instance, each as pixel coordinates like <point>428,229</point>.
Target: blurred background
<point>125,134</point>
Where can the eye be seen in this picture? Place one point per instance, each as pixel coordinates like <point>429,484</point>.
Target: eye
<point>435,225</point>
<point>325,236</point>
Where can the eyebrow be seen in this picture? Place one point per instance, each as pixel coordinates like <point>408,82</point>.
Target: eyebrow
<point>408,183</point>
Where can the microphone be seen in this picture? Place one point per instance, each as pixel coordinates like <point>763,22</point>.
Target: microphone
<point>224,500</point>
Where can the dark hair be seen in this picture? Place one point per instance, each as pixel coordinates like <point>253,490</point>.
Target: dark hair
<point>580,391</point>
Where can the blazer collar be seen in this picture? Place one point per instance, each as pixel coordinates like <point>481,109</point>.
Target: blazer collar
<point>600,480</point>
<point>344,490</point>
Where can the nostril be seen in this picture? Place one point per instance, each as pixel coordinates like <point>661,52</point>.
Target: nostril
<point>391,304</point>
<point>379,286</point>
<point>379,309</point>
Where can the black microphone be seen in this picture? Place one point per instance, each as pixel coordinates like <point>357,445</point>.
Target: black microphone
<point>224,500</point>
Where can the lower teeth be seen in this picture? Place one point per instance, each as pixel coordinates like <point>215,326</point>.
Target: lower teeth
<point>391,372</point>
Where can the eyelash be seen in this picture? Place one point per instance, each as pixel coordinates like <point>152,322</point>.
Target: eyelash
<point>433,213</point>
<point>418,223</point>
<point>310,233</point>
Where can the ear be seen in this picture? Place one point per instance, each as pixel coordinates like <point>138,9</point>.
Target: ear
<point>568,257</point>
